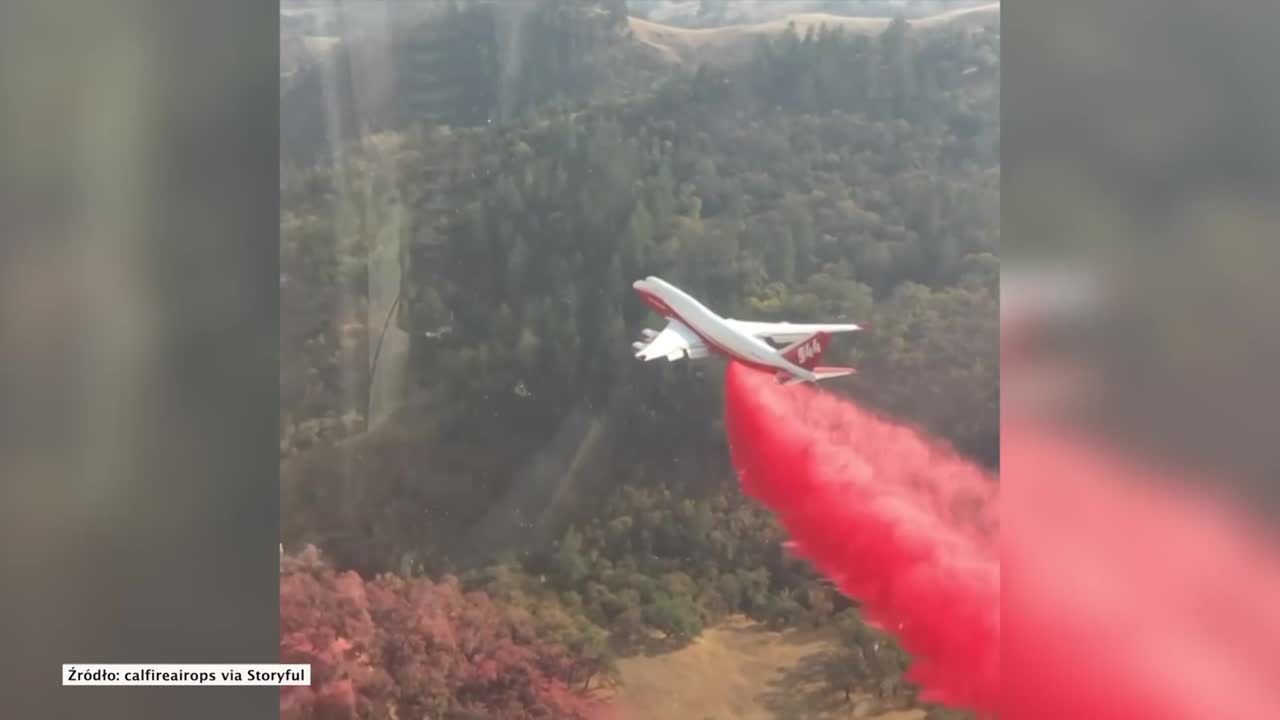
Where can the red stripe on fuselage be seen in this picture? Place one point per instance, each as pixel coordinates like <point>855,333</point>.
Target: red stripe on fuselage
<point>665,310</point>
<point>658,304</point>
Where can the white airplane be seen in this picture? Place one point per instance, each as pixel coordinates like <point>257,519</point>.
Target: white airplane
<point>693,331</point>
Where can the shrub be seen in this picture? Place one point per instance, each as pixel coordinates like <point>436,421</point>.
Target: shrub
<point>393,647</point>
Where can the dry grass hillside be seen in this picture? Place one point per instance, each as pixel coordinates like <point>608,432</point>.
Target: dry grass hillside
<point>739,670</point>
<point>733,43</point>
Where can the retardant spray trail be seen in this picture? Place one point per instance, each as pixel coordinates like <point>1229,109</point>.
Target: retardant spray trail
<point>896,522</point>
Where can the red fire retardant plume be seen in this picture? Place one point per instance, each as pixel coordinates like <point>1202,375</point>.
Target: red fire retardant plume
<point>894,520</point>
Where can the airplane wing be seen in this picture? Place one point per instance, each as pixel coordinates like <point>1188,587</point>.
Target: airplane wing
<point>783,332</point>
<point>674,342</point>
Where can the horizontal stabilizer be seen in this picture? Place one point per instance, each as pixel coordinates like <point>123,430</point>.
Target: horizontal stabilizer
<point>824,373</point>
<point>786,333</point>
<point>819,373</point>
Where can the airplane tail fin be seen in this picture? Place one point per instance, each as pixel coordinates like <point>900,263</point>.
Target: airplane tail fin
<point>806,352</point>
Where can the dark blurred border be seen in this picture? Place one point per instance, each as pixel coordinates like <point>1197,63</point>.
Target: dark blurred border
<point>1141,156</point>
<point>139,329</point>
<point>1139,346</point>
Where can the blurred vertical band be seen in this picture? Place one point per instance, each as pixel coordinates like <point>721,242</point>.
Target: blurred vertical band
<point>1141,168</point>
<point>138,325</point>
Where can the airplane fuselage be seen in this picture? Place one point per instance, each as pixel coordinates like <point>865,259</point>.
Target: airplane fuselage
<point>673,303</point>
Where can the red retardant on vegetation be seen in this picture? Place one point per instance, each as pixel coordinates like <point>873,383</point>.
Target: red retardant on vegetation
<point>897,522</point>
<point>403,648</point>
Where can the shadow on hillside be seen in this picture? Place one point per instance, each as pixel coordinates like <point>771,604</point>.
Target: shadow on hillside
<point>654,646</point>
<point>804,690</point>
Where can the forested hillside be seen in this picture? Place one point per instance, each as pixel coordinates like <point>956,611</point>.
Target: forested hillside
<point>719,13</point>
<point>497,233</point>
<point>460,62</point>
